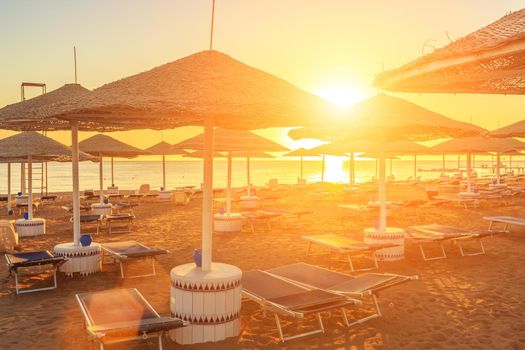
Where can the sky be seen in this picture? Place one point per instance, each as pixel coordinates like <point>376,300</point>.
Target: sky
<point>332,48</point>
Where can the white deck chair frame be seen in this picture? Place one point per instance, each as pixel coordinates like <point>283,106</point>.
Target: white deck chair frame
<point>348,254</point>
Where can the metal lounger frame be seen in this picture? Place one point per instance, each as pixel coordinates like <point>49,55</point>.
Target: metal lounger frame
<point>31,290</point>
<point>107,252</point>
<point>349,253</point>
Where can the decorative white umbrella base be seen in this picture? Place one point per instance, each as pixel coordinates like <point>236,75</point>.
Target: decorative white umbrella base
<point>112,190</point>
<point>101,208</point>
<point>392,235</point>
<point>165,195</point>
<point>209,300</point>
<point>249,202</point>
<point>33,227</point>
<point>227,222</point>
<point>84,260</point>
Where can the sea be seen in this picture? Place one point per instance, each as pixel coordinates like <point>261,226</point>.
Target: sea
<point>130,174</point>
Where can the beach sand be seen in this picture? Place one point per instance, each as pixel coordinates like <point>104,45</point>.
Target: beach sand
<point>458,303</point>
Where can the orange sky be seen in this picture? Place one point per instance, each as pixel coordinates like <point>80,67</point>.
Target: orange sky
<point>331,48</point>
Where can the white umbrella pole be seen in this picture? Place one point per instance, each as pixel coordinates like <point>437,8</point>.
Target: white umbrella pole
<point>391,160</point>
<point>382,193</point>
<point>350,169</point>
<point>498,167</point>
<point>352,165</point>
<point>23,178</point>
<point>164,172</point>
<point>112,174</point>
<point>8,188</point>
<point>322,169</point>
<point>30,188</point>
<point>229,185</point>
<point>301,167</point>
<point>248,188</point>
<point>444,166</point>
<point>101,180</point>
<point>459,163</point>
<point>468,171</point>
<point>76,185</point>
<point>510,163</point>
<point>207,198</point>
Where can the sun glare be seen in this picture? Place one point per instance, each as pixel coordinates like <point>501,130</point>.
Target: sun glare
<point>341,95</point>
<point>334,171</point>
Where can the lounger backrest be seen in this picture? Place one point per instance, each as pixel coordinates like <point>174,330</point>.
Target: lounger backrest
<point>266,286</point>
<point>115,306</point>
<point>144,188</point>
<point>311,275</point>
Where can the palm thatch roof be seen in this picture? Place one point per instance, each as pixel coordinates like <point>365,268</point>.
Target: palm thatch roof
<point>301,152</point>
<point>513,130</point>
<point>390,118</point>
<point>164,148</point>
<point>478,144</point>
<point>26,111</point>
<point>342,148</point>
<point>106,146</point>
<point>205,85</point>
<point>200,154</point>
<point>232,140</point>
<point>490,60</point>
<point>38,146</point>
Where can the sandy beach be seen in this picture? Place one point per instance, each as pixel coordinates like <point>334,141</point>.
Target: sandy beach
<point>457,303</point>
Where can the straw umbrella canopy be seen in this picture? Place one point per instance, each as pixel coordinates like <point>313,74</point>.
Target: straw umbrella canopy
<point>300,152</point>
<point>106,146</point>
<point>163,148</point>
<point>34,146</point>
<point>490,60</point>
<point>207,88</point>
<point>479,144</point>
<point>385,118</point>
<point>228,140</point>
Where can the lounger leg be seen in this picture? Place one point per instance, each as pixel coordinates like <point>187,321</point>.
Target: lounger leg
<point>350,263</point>
<point>345,318</point>
<point>283,338</point>
<point>16,283</point>
<point>309,247</point>
<point>153,265</point>
<point>371,317</point>
<point>479,252</point>
<point>160,341</point>
<point>425,258</point>
<point>121,269</point>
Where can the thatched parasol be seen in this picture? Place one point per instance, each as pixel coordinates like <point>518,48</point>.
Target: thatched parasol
<point>301,152</point>
<point>206,85</point>
<point>163,148</point>
<point>476,145</point>
<point>490,60</point>
<point>208,88</point>
<point>230,141</point>
<point>106,146</point>
<point>384,118</point>
<point>33,146</point>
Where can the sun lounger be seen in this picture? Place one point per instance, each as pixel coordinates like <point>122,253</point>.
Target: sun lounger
<point>505,220</point>
<point>348,247</point>
<point>120,315</point>
<point>286,215</point>
<point>434,233</point>
<point>32,262</point>
<point>462,201</point>
<point>130,250</point>
<point>180,197</point>
<point>254,218</point>
<point>124,219</point>
<point>90,219</point>
<point>282,297</point>
<point>369,284</point>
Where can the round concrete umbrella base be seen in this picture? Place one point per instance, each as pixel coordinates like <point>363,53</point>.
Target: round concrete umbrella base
<point>113,190</point>
<point>209,300</point>
<point>227,222</point>
<point>33,227</point>
<point>249,202</point>
<point>101,208</point>
<point>165,195</point>
<point>391,235</point>
<point>84,260</point>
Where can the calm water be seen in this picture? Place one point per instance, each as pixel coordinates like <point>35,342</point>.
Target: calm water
<point>130,175</point>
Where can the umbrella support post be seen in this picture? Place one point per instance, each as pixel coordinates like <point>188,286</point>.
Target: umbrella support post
<point>228,222</point>
<point>216,316</point>
<point>84,260</point>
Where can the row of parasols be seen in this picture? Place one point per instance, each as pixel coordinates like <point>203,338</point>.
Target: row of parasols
<point>211,89</point>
